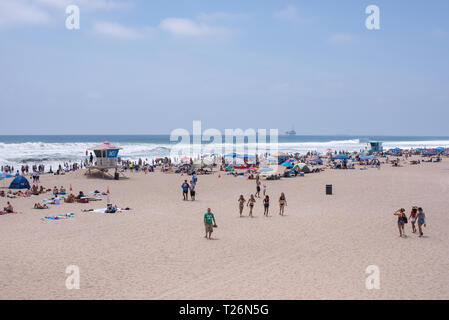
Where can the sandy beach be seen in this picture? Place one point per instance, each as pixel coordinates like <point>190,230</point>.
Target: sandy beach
<point>319,250</point>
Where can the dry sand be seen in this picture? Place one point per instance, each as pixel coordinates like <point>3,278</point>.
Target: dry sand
<point>319,250</point>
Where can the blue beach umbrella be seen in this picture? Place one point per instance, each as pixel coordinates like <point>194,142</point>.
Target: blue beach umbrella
<point>233,155</point>
<point>340,157</point>
<point>287,164</point>
<point>317,160</point>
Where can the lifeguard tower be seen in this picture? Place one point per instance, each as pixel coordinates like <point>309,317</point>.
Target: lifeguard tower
<point>106,157</point>
<point>376,146</point>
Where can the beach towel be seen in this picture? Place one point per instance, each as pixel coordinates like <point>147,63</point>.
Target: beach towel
<point>60,216</point>
<point>103,210</point>
<point>4,212</point>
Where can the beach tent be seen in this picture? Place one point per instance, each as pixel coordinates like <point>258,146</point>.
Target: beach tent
<point>19,182</point>
<point>340,157</point>
<point>302,167</point>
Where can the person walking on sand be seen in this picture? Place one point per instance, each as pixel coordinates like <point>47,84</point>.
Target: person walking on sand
<point>402,218</point>
<point>258,188</point>
<point>264,190</point>
<point>266,205</point>
<point>209,223</point>
<point>282,203</point>
<point>412,218</point>
<point>241,202</point>
<point>192,190</point>
<point>185,190</point>
<point>421,221</point>
<point>250,203</point>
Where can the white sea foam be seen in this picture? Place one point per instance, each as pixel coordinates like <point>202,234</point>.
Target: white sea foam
<point>55,153</point>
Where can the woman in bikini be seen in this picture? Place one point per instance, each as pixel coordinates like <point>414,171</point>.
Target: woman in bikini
<point>401,215</point>
<point>251,202</point>
<point>282,203</point>
<point>412,218</point>
<point>241,202</point>
<point>266,205</point>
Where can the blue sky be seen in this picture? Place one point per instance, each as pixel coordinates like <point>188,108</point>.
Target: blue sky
<point>142,67</point>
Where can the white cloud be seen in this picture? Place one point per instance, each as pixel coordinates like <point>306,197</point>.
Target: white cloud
<point>341,38</point>
<point>188,27</point>
<point>116,30</point>
<point>19,12</point>
<point>290,14</point>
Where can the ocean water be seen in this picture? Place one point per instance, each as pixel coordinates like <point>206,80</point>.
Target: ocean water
<point>54,149</point>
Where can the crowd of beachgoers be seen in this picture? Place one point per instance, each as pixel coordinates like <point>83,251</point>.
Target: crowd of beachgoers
<point>257,167</point>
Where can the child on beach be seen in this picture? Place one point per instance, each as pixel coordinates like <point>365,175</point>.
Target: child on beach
<point>266,205</point>
<point>250,203</point>
<point>421,221</point>
<point>185,189</point>
<point>402,220</point>
<point>264,190</point>
<point>282,203</point>
<point>241,202</point>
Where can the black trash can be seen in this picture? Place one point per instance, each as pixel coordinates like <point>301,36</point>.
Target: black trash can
<point>328,189</point>
<point>116,175</point>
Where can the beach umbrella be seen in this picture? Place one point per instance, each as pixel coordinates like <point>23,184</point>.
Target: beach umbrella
<point>317,160</point>
<point>340,157</point>
<point>232,154</point>
<point>364,158</point>
<point>439,149</point>
<point>287,164</point>
<point>185,159</point>
<point>396,149</point>
<point>372,156</point>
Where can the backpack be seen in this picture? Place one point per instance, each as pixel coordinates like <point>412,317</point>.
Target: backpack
<point>404,218</point>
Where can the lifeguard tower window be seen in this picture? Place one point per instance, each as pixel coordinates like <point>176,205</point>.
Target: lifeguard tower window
<point>98,153</point>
